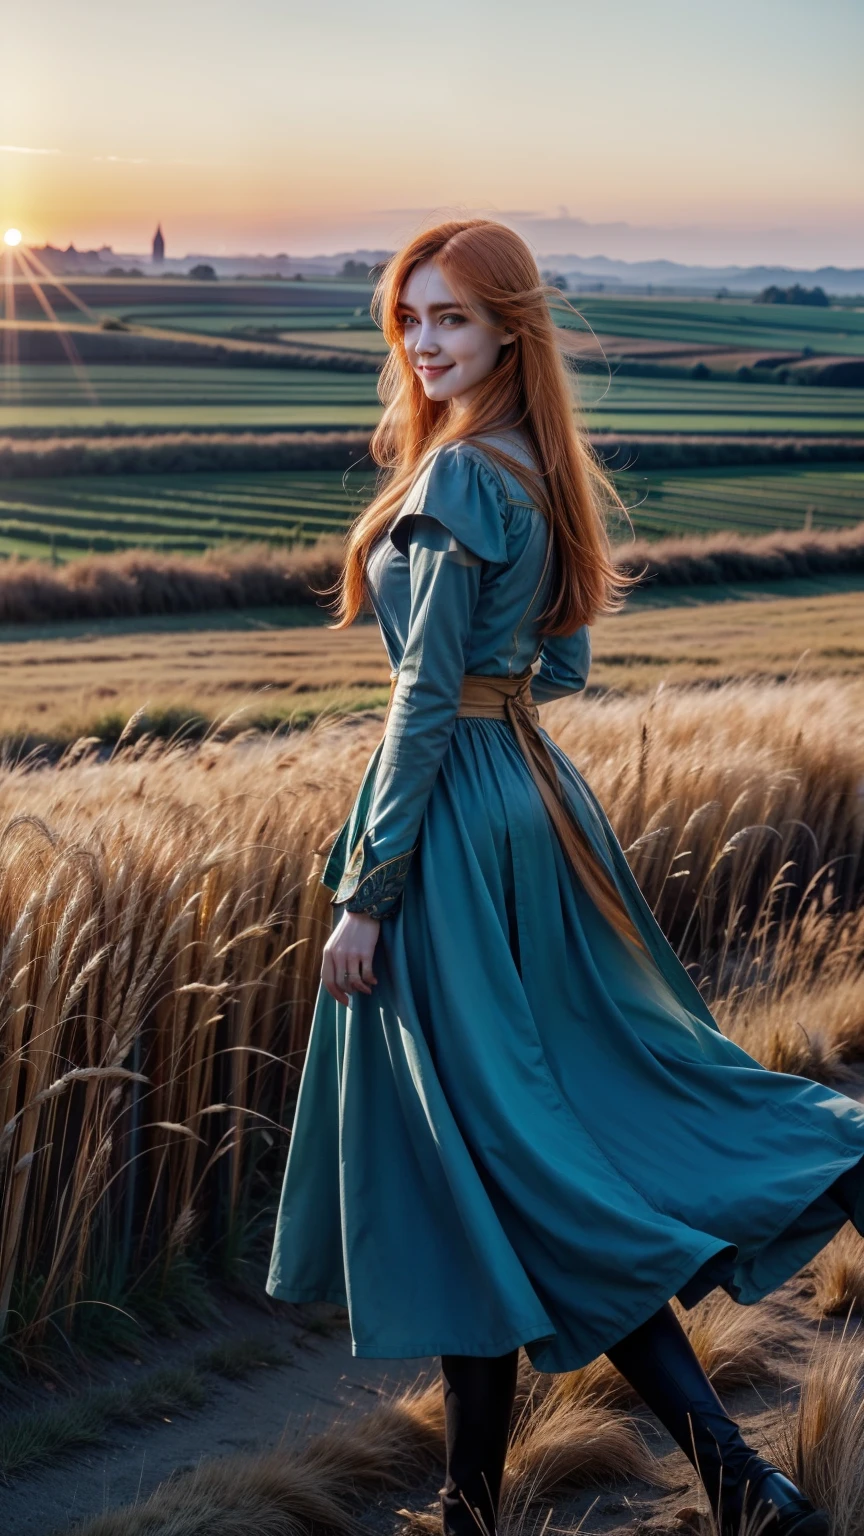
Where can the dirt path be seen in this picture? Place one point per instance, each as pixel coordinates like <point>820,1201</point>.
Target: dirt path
<point>271,1406</point>
<point>283,1404</point>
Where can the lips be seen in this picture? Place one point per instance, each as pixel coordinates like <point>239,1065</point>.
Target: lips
<point>432,373</point>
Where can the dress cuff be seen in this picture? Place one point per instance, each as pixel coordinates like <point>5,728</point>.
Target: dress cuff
<point>372,888</point>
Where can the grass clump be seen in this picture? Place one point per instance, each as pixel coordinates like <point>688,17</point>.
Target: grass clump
<point>836,1276</point>
<point>39,1438</point>
<point>327,1483</point>
<point>821,1444</point>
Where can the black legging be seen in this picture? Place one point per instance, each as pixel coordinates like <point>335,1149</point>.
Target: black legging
<point>478,1405</point>
<point>658,1361</point>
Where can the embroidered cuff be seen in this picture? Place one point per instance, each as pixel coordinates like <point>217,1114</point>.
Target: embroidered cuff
<point>377,891</point>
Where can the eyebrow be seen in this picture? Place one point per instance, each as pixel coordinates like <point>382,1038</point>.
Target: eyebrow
<point>453,304</point>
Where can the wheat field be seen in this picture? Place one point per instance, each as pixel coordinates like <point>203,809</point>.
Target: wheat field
<point>265,675</point>
<point>162,922</point>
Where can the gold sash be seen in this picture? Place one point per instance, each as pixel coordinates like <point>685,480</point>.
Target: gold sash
<point>509,698</point>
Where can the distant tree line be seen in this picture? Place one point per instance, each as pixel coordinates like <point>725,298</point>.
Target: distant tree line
<point>138,583</point>
<point>26,456</point>
<point>356,271</point>
<point>202,272</point>
<point>815,297</point>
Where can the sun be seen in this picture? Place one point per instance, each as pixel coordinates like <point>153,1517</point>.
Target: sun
<point>12,237</point>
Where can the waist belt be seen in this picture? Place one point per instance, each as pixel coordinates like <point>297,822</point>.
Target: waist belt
<point>509,698</point>
<point>491,698</point>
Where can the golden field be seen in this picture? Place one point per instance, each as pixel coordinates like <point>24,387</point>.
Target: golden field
<point>262,674</point>
<point>162,923</point>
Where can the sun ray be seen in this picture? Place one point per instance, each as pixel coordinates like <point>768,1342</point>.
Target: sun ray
<point>47,275</point>
<point>65,341</point>
<point>11,377</point>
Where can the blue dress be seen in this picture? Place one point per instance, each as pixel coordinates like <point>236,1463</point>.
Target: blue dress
<point>531,1133</point>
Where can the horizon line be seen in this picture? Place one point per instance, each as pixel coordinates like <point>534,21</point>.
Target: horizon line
<point>380,252</point>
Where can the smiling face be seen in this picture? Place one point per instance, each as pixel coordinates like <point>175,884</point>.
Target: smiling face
<point>449,348</point>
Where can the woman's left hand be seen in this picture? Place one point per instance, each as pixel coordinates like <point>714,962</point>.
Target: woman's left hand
<point>346,965</point>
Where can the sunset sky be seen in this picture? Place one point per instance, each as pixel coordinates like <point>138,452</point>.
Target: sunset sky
<point>696,130</point>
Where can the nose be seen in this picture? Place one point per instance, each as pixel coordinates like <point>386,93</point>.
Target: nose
<point>426,343</point>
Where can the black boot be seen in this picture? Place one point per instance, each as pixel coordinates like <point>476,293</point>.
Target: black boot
<point>659,1362</point>
<point>774,1505</point>
<point>478,1403</point>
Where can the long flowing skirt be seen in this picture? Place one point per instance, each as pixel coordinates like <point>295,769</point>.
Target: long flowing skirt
<point>530,1133</point>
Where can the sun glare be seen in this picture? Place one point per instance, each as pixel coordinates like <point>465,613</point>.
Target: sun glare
<point>25,269</point>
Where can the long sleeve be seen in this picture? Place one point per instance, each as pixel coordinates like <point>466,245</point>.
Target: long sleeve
<point>445,584</point>
<point>565,661</point>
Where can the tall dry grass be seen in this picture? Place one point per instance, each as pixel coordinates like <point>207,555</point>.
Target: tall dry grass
<point>161,924</point>
<point>160,952</point>
<point>37,452</point>
<point>820,1444</point>
<point>729,556</point>
<point>317,1489</point>
<point>141,583</point>
<point>560,1442</point>
<point>835,1278</point>
<point>729,803</point>
<point>736,1346</point>
<point>802,1008</point>
<point>32,453</point>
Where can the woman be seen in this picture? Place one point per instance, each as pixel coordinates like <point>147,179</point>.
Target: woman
<point>518,1122</point>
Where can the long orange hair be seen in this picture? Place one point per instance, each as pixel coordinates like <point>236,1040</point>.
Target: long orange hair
<point>489,265</point>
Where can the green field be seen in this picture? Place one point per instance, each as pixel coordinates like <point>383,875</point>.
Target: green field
<point>350,337</point>
<point>224,307</point>
<point>222,320</point>
<point>134,395</point>
<point>174,295</point>
<point>181,512</point>
<point>665,503</point>
<point>218,309</point>
<point>131,395</point>
<point>695,405</point>
<point>193,512</point>
<point>722,323</point>
<point>730,322</point>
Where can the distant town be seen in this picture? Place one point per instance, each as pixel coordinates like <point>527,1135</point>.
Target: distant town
<point>587,274</point>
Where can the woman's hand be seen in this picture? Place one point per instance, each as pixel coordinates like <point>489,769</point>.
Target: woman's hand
<point>346,966</point>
